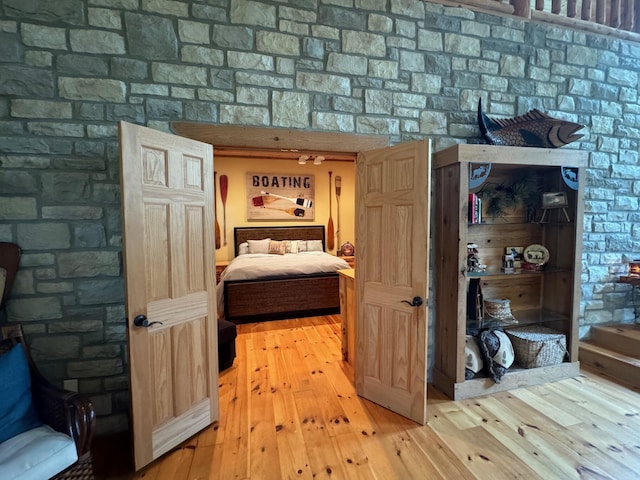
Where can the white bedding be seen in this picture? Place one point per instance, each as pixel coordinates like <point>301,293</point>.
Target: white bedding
<point>257,265</point>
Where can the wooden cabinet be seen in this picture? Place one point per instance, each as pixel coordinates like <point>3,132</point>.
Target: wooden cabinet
<point>348,313</point>
<point>549,297</point>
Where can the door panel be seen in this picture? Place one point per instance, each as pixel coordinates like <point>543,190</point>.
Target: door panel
<point>392,230</point>
<point>169,248</point>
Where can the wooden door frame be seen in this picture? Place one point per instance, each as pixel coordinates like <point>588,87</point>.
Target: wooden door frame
<point>279,143</point>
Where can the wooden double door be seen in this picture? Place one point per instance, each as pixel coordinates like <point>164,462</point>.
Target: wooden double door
<point>167,186</point>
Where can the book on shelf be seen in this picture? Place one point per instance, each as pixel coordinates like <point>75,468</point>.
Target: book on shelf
<point>475,209</point>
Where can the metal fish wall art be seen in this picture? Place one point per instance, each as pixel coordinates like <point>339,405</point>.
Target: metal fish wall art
<point>533,129</point>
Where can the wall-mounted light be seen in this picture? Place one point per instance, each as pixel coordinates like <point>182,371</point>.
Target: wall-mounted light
<point>303,159</point>
<point>318,160</point>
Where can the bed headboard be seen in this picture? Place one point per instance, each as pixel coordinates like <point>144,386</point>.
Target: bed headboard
<point>307,232</point>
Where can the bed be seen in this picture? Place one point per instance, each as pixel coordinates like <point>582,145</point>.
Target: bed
<point>275,294</point>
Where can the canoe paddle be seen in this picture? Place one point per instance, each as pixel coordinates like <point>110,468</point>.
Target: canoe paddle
<point>224,185</point>
<point>330,233</point>
<point>338,190</point>
<point>215,209</point>
<point>303,202</point>
<point>264,202</point>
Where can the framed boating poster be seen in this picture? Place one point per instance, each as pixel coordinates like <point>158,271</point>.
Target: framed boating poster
<point>280,196</point>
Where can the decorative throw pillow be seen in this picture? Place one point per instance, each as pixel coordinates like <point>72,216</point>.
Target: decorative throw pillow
<point>473,362</point>
<point>497,352</point>
<point>314,245</point>
<point>291,246</point>
<point>277,247</point>
<point>243,248</point>
<point>17,412</point>
<point>259,246</point>
<point>302,246</point>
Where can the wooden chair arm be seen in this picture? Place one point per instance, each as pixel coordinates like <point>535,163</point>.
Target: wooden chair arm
<point>65,411</point>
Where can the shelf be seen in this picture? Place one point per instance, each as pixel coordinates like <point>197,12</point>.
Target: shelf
<point>502,223</point>
<point>517,273</point>
<point>514,378</point>
<point>631,279</point>
<point>499,223</point>
<point>524,317</point>
<point>497,274</point>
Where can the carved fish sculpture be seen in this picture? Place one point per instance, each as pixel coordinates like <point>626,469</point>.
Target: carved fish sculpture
<point>533,129</point>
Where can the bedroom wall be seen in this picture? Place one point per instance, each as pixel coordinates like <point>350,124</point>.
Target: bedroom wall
<point>236,209</point>
<point>71,69</point>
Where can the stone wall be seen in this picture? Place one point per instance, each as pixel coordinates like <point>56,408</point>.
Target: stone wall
<point>71,69</point>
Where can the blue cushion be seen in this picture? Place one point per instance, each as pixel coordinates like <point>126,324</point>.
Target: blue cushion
<point>17,412</point>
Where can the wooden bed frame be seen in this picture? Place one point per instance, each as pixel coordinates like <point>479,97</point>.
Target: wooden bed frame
<point>281,297</point>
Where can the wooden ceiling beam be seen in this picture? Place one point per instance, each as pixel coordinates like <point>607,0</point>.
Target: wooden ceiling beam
<point>282,154</point>
<point>229,140</point>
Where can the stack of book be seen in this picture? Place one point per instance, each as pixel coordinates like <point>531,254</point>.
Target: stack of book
<point>475,209</point>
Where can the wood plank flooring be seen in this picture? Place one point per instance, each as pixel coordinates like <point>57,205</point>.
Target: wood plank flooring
<point>289,411</point>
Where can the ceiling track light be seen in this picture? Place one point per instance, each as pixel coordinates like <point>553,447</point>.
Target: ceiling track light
<point>317,159</point>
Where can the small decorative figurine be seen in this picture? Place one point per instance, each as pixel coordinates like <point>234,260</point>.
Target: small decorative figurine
<point>507,263</point>
<point>473,259</point>
<point>517,256</point>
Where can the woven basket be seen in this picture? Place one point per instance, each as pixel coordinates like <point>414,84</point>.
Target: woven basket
<point>537,346</point>
<point>499,309</point>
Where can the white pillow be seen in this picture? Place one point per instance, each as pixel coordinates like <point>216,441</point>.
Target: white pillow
<point>259,246</point>
<point>314,245</point>
<point>243,248</point>
<point>302,246</point>
<point>291,246</point>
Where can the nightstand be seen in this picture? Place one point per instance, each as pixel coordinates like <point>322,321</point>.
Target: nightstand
<point>350,259</point>
<point>220,266</point>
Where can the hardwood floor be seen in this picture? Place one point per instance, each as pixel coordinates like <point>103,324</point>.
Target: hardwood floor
<point>289,410</point>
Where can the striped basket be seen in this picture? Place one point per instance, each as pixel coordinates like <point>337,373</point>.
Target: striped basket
<point>537,346</point>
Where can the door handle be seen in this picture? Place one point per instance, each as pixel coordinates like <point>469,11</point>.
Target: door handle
<point>141,321</point>
<point>416,302</point>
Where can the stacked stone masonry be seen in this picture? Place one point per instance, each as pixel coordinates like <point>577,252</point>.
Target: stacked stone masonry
<point>71,69</point>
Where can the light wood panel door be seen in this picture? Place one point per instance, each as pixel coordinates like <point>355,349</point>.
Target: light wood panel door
<point>392,237</point>
<point>169,253</point>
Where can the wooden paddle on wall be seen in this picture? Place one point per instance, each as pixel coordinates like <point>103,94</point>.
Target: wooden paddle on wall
<point>224,186</point>
<point>215,209</point>
<point>330,233</point>
<point>338,190</point>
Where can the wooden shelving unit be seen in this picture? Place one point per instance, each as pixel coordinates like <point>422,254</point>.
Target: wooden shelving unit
<point>550,297</point>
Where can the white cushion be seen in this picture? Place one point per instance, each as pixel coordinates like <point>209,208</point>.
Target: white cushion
<point>243,248</point>
<point>314,245</point>
<point>291,246</point>
<point>505,354</point>
<point>36,454</point>
<point>472,354</point>
<point>259,246</point>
